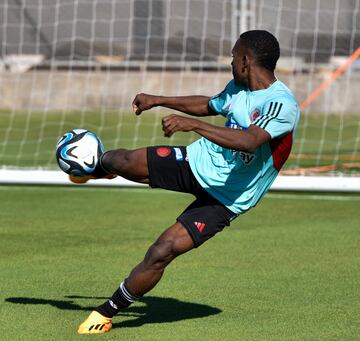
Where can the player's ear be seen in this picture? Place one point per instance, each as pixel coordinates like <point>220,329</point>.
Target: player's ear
<point>245,63</point>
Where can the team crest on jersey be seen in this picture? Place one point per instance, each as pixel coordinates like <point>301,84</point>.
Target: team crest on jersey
<point>254,115</point>
<point>163,151</point>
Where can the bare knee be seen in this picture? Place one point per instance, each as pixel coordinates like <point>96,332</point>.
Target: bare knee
<point>173,242</point>
<point>160,254</point>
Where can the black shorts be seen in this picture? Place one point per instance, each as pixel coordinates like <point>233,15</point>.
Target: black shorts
<point>169,169</point>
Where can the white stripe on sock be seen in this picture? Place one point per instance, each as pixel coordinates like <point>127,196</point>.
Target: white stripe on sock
<point>127,295</point>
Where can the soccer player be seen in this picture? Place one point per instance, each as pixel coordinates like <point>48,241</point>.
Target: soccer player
<point>228,170</point>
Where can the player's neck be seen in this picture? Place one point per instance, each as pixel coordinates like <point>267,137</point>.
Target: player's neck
<point>261,80</point>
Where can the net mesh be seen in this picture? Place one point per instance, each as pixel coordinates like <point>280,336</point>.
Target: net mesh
<point>69,64</point>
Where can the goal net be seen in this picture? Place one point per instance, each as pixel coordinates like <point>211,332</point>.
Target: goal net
<point>68,64</point>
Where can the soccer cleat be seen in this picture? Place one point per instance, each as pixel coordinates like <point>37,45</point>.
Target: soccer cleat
<point>80,179</point>
<point>97,173</point>
<point>95,324</point>
<point>86,178</point>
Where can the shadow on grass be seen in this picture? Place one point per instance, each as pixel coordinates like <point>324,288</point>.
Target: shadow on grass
<point>155,310</point>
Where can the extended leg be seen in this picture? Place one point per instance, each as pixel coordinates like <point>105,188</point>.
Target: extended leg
<point>172,243</point>
<point>130,164</point>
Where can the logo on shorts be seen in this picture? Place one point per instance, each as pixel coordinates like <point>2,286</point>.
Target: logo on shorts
<point>163,151</point>
<point>199,226</point>
<point>178,154</point>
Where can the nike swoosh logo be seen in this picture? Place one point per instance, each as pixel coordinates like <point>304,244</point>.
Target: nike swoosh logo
<point>90,165</point>
<point>69,152</point>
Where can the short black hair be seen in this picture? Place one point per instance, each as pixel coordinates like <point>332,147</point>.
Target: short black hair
<point>265,47</point>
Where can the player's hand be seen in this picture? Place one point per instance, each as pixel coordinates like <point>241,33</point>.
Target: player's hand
<point>143,102</point>
<point>173,123</point>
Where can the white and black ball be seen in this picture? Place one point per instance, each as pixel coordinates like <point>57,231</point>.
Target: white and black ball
<point>78,152</point>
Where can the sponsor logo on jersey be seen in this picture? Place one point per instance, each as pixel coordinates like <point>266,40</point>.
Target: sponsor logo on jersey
<point>230,123</point>
<point>163,151</point>
<point>246,158</point>
<point>178,154</point>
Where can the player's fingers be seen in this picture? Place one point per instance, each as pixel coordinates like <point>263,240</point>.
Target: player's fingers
<point>171,132</point>
<point>168,124</point>
<point>137,105</point>
<point>169,121</point>
<point>166,127</point>
<point>170,129</point>
<point>166,121</point>
<point>169,118</point>
<point>168,133</point>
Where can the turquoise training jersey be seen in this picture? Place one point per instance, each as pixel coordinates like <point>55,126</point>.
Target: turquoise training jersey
<point>239,179</point>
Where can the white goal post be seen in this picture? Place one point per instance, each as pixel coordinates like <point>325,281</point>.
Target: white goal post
<point>282,183</point>
<point>67,64</point>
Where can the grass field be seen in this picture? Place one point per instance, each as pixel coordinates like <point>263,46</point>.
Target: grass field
<point>28,140</point>
<point>288,270</point>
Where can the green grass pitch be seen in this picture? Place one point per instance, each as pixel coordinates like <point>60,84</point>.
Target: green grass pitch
<point>287,270</point>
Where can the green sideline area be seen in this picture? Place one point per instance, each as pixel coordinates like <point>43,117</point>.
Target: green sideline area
<point>288,270</point>
<point>29,139</point>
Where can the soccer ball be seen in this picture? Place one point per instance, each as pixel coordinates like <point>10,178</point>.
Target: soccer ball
<point>78,152</point>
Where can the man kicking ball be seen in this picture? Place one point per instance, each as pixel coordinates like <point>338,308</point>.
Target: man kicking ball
<point>228,170</point>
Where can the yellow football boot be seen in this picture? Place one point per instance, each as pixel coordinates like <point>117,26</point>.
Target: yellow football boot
<point>95,324</point>
<point>85,178</point>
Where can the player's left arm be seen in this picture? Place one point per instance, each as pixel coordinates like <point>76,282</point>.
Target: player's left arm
<point>245,140</point>
<point>280,116</point>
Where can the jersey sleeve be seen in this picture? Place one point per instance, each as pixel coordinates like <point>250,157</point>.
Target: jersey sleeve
<point>219,102</point>
<point>278,117</point>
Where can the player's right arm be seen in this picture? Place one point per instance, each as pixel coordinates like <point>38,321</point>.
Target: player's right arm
<point>191,105</point>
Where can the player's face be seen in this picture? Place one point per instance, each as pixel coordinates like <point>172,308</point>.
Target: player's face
<point>239,64</point>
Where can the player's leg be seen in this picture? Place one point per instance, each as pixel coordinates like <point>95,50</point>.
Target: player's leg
<point>168,168</point>
<point>172,243</point>
<point>159,166</point>
<point>130,164</point>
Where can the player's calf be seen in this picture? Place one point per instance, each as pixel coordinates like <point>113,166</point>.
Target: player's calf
<point>130,164</point>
